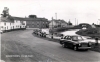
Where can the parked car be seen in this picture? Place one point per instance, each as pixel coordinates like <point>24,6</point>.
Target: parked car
<point>44,32</point>
<point>76,42</point>
<point>36,31</point>
<point>1,31</point>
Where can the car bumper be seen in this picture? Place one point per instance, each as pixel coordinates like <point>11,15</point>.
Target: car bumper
<point>84,48</point>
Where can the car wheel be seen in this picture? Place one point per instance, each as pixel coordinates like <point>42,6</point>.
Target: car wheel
<point>41,35</point>
<point>60,42</point>
<point>44,35</point>
<point>64,45</point>
<point>75,48</point>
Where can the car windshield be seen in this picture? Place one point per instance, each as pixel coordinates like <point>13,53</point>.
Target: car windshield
<point>77,38</point>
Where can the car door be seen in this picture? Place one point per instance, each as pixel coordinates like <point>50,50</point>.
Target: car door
<point>69,41</point>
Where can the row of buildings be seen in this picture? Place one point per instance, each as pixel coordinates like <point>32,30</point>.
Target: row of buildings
<point>7,24</point>
<point>35,22</point>
<point>12,23</point>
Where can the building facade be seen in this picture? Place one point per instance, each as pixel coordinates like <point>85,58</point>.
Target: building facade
<point>57,23</point>
<point>37,23</point>
<point>7,24</point>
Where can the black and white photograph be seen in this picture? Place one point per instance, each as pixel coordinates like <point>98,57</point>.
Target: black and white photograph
<point>49,30</point>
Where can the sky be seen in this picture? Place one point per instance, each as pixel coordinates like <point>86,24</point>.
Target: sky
<point>85,11</point>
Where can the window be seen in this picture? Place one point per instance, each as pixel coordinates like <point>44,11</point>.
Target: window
<point>13,27</point>
<point>69,38</point>
<point>77,38</point>
<point>7,27</point>
<point>32,22</point>
<point>5,23</point>
<point>10,23</point>
<point>65,37</point>
<point>1,26</point>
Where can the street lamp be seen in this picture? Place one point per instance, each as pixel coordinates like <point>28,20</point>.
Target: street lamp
<point>56,15</point>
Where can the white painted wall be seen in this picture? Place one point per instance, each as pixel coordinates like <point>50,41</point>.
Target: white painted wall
<point>50,24</point>
<point>16,24</point>
<point>12,25</point>
<point>1,25</point>
<point>23,26</point>
<point>5,26</point>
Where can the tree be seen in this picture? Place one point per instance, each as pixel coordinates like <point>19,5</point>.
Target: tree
<point>93,24</point>
<point>5,12</point>
<point>32,16</point>
<point>69,23</point>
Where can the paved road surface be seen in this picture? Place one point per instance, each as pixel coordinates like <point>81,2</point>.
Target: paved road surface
<point>22,46</point>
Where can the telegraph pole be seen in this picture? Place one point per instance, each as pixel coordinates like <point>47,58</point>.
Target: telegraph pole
<point>75,21</point>
<point>56,15</point>
<point>97,22</point>
<point>52,29</point>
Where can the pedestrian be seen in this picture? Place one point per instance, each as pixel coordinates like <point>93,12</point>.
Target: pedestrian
<point>96,39</point>
<point>62,35</point>
<point>52,35</point>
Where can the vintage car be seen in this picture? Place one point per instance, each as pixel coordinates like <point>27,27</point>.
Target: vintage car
<point>43,34</point>
<point>40,32</point>
<point>75,41</point>
<point>35,31</point>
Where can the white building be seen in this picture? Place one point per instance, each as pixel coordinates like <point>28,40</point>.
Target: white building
<point>7,24</point>
<point>4,24</point>
<point>57,23</point>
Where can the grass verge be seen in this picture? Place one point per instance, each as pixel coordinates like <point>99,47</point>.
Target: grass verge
<point>96,48</point>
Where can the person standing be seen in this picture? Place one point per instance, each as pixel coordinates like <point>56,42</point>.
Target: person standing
<point>96,39</point>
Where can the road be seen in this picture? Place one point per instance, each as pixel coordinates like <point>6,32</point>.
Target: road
<point>22,46</point>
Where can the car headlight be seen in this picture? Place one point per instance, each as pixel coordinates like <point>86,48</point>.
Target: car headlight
<point>90,43</point>
<point>79,44</point>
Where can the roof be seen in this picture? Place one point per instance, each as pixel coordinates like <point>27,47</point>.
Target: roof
<point>5,19</point>
<point>30,19</point>
<point>84,24</point>
<point>12,18</point>
<point>59,21</point>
